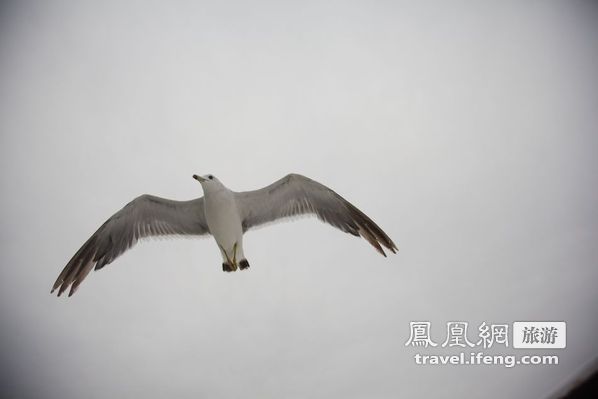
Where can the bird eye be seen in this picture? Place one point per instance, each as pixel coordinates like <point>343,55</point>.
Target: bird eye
<point>210,177</point>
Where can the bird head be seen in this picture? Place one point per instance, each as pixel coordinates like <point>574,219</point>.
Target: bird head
<point>208,182</point>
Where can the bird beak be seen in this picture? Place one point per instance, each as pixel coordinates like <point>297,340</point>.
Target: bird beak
<point>199,178</point>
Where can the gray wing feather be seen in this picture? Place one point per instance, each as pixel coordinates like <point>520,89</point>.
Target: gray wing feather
<point>145,216</point>
<point>295,195</point>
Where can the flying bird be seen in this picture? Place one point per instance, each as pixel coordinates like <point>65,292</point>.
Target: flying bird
<point>224,214</point>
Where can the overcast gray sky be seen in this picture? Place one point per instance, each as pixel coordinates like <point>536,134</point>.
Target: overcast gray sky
<point>467,131</point>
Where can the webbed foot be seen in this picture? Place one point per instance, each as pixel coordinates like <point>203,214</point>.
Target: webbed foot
<point>227,268</point>
<point>244,264</point>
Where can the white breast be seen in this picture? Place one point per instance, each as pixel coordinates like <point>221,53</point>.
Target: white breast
<point>223,218</point>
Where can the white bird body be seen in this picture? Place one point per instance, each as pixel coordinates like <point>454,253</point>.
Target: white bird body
<point>224,222</point>
<point>225,214</point>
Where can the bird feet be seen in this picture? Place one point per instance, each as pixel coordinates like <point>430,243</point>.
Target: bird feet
<point>231,265</point>
<point>226,267</point>
<point>244,264</point>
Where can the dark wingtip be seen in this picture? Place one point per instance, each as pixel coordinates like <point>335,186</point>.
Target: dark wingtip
<point>369,230</point>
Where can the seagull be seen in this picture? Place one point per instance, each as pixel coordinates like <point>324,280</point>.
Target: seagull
<point>224,214</point>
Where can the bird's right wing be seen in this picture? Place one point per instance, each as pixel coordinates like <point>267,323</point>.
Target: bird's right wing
<point>145,216</point>
<point>295,195</point>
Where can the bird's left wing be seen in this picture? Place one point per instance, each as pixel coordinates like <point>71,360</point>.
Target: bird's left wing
<point>298,195</point>
<point>145,216</point>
